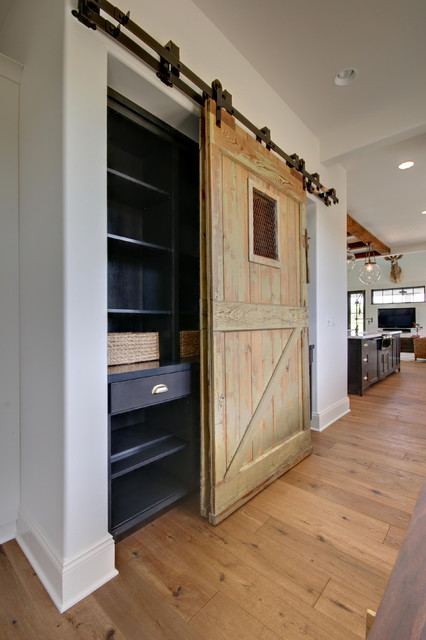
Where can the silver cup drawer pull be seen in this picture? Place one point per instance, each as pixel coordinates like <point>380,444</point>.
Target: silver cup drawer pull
<point>159,388</point>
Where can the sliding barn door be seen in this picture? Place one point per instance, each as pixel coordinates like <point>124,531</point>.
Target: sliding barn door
<point>255,318</point>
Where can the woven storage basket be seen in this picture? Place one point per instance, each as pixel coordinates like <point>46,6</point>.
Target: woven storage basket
<point>127,348</point>
<point>189,344</point>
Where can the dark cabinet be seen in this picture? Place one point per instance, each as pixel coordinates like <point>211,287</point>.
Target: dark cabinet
<point>362,364</point>
<point>396,352</point>
<point>153,443</point>
<point>369,349</point>
<point>384,363</point>
<point>389,350</point>
<point>153,286</point>
<point>371,360</point>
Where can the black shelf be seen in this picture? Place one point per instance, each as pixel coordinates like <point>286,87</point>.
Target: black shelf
<point>124,243</point>
<point>139,146</point>
<point>139,278</point>
<point>152,226</point>
<point>129,440</point>
<point>138,495</point>
<point>153,276</point>
<point>147,455</point>
<point>138,243</point>
<point>149,312</point>
<point>146,369</point>
<point>131,191</point>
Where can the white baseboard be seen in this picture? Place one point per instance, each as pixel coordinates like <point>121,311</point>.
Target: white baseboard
<point>321,421</point>
<point>7,532</point>
<point>67,580</point>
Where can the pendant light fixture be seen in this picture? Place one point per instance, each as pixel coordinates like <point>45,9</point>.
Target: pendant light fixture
<point>350,259</point>
<point>370,270</point>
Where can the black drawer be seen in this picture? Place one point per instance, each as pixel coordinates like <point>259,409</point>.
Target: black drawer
<point>365,381</point>
<point>143,392</point>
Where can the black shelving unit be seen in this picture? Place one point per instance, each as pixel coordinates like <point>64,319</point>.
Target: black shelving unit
<point>153,285</point>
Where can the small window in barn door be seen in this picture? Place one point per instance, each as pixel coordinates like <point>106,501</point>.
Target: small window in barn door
<point>263,226</point>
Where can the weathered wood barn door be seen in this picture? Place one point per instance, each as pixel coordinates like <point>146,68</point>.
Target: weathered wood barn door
<point>255,318</point>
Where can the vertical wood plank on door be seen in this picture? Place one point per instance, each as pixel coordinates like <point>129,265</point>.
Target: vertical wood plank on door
<point>263,439</point>
<point>280,398</point>
<point>294,391</point>
<point>216,234</point>
<point>270,287</point>
<point>284,287</point>
<point>257,385</point>
<point>235,232</point>
<point>278,344</point>
<point>244,386</point>
<point>299,254</point>
<point>264,285</point>
<point>304,257</point>
<point>238,407</point>
<point>219,442</point>
<point>205,365</point>
<point>254,267</point>
<point>232,400</point>
<point>292,244</point>
<point>254,282</point>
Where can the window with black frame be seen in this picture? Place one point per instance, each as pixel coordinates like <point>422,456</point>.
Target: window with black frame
<point>356,311</point>
<point>399,295</point>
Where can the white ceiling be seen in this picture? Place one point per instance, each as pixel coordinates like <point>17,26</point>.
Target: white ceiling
<point>369,126</point>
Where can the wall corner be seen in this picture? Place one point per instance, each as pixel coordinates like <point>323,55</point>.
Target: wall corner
<point>67,580</point>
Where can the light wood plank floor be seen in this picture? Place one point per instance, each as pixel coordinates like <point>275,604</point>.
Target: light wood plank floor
<point>303,560</point>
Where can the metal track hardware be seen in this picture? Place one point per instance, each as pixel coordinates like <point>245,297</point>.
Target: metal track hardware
<point>170,69</point>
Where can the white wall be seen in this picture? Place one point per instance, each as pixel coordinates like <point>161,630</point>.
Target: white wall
<point>311,223</point>
<point>10,75</point>
<point>41,305</point>
<point>62,523</point>
<point>63,519</point>
<point>327,317</point>
<point>330,400</point>
<point>413,267</point>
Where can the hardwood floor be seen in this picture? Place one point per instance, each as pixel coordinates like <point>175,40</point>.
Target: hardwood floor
<point>303,560</point>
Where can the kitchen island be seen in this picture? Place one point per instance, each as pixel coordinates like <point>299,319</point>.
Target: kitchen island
<point>371,357</point>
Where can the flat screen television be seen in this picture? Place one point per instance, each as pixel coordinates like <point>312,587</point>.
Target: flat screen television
<point>397,318</point>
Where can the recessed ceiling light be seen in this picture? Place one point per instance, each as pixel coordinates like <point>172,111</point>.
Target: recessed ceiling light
<point>406,165</point>
<point>345,76</point>
<point>424,213</point>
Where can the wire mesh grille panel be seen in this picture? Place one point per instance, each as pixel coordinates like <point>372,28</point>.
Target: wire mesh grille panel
<point>265,241</point>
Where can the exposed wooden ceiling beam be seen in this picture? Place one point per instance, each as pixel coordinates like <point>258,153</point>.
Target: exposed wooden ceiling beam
<point>362,234</point>
<point>364,254</point>
<point>355,244</point>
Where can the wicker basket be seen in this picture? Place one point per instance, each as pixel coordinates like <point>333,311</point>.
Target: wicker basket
<point>189,344</point>
<point>126,347</point>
